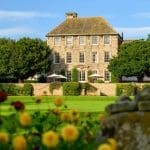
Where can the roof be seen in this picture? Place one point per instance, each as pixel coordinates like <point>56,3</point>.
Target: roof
<point>127,41</point>
<point>83,26</point>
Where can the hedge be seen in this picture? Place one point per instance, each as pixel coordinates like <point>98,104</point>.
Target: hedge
<point>71,88</point>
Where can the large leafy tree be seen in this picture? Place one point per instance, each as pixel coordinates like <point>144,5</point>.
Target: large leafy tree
<point>133,60</point>
<point>24,58</point>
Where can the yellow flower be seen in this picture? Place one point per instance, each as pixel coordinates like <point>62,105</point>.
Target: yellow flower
<point>56,111</point>
<point>64,116</point>
<point>4,138</point>
<point>74,115</point>
<point>58,102</point>
<point>113,143</point>
<point>19,143</point>
<point>25,119</point>
<point>70,133</point>
<point>104,147</point>
<point>50,139</point>
<point>38,99</point>
<point>101,117</point>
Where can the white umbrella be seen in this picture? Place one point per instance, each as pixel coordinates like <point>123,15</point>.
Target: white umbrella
<point>53,75</point>
<point>61,77</point>
<point>95,75</point>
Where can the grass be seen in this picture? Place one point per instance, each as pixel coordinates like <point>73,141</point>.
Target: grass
<point>82,103</point>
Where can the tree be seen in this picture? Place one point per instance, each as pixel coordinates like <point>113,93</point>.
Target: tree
<point>24,58</point>
<point>132,60</point>
<point>7,47</point>
<point>74,75</point>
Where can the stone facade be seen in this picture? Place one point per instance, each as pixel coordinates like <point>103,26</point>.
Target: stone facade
<point>85,52</point>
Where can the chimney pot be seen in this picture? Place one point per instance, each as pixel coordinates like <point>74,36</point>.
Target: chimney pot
<point>71,15</point>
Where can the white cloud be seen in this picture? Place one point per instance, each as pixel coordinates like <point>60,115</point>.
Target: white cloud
<point>15,31</point>
<point>142,15</point>
<point>136,32</point>
<point>24,14</point>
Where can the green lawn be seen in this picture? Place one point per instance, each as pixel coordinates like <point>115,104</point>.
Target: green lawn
<point>82,103</point>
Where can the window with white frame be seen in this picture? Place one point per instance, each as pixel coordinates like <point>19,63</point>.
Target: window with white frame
<point>56,58</point>
<point>57,40</point>
<point>82,76</point>
<point>68,57</point>
<point>81,57</point>
<point>106,56</point>
<point>68,74</point>
<point>69,40</point>
<point>94,57</point>
<point>106,75</point>
<point>106,39</point>
<point>81,40</point>
<point>94,40</point>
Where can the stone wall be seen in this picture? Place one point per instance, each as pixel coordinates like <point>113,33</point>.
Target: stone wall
<point>102,89</point>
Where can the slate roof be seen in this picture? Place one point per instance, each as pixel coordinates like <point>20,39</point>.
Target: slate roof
<point>83,26</point>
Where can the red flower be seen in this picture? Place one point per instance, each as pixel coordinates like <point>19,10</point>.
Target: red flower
<point>3,96</point>
<point>18,105</point>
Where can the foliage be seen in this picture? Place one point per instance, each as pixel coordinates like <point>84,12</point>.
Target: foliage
<point>88,87</point>
<point>30,81</point>
<point>113,78</point>
<point>99,81</point>
<point>54,85</point>
<point>42,79</point>
<point>28,89</point>
<point>34,134</point>
<point>71,88</point>
<point>132,60</point>
<point>89,73</point>
<point>74,75</point>
<point>125,89</point>
<point>11,89</point>
<point>23,58</point>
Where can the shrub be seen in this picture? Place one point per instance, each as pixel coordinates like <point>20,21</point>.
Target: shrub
<point>54,85</point>
<point>11,89</point>
<point>28,89</point>
<point>125,89</point>
<point>87,87</point>
<point>30,81</point>
<point>74,75</point>
<point>71,88</point>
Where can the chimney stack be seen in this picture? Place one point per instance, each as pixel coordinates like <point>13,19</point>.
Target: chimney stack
<point>71,15</point>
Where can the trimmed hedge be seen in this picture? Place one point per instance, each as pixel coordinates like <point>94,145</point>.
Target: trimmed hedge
<point>71,88</point>
<point>54,85</point>
<point>28,89</point>
<point>125,89</point>
<point>11,89</point>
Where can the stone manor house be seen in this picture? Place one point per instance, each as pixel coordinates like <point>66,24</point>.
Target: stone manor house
<point>86,44</point>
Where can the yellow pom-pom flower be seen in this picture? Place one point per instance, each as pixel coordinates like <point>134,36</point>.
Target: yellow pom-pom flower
<point>104,147</point>
<point>50,139</point>
<point>64,116</point>
<point>19,143</point>
<point>70,133</point>
<point>113,143</point>
<point>101,117</point>
<point>58,102</point>
<point>25,119</point>
<point>4,138</point>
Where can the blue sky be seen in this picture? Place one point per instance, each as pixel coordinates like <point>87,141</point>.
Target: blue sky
<point>34,18</point>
